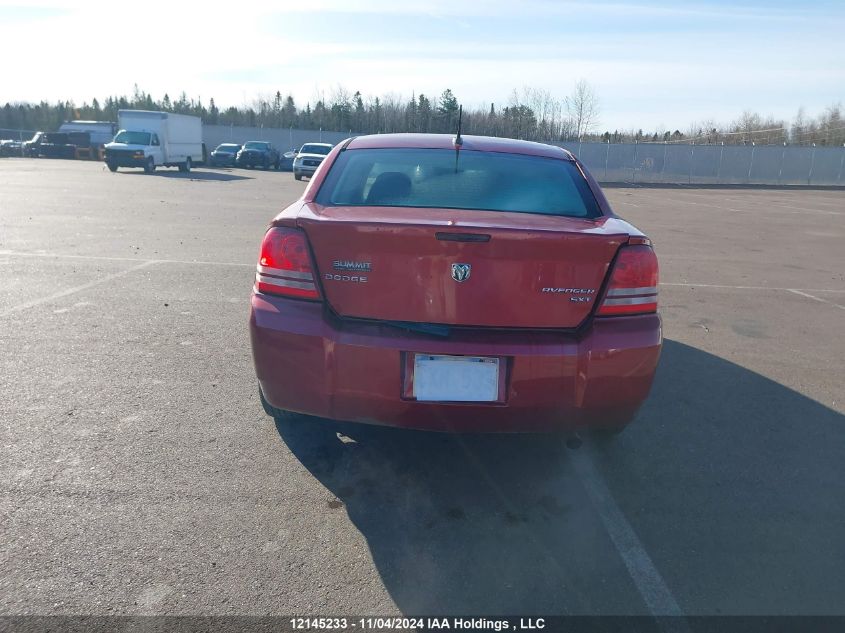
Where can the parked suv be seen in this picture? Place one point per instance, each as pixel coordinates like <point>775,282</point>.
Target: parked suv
<point>286,161</point>
<point>258,154</point>
<point>308,158</point>
<point>224,155</point>
<point>10,147</point>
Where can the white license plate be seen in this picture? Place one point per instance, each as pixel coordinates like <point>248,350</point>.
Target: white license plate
<point>456,378</point>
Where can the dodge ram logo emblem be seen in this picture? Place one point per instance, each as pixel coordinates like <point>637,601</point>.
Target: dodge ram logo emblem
<point>460,272</point>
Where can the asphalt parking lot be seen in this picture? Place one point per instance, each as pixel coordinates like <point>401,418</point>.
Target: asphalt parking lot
<point>139,474</point>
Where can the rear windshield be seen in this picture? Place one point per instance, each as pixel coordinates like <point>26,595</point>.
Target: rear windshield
<point>315,149</point>
<point>440,178</point>
<point>256,145</point>
<point>226,147</point>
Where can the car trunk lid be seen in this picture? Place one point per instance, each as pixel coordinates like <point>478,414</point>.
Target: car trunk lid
<point>460,267</point>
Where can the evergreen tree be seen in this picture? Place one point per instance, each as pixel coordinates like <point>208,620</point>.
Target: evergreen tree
<point>411,114</point>
<point>277,109</point>
<point>447,109</point>
<point>424,114</point>
<point>289,112</point>
<point>213,112</point>
<point>182,106</point>
<point>359,115</point>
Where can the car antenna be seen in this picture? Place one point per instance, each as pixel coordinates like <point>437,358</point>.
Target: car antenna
<point>458,141</point>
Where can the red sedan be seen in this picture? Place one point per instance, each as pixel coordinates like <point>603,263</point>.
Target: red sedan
<point>455,284</point>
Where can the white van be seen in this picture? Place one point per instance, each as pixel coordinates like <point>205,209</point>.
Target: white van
<point>152,139</point>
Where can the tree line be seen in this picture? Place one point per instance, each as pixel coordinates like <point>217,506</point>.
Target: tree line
<point>531,114</point>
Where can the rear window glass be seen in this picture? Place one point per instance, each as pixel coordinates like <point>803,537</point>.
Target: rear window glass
<point>438,178</point>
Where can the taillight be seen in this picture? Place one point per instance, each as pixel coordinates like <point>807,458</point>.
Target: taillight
<point>284,265</point>
<point>633,283</point>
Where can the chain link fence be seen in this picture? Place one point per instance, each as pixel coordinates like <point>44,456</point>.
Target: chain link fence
<point>16,135</point>
<point>283,138</point>
<point>669,163</point>
<point>690,164</point>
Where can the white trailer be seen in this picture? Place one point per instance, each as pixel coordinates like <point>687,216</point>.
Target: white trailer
<point>151,139</point>
<point>101,132</point>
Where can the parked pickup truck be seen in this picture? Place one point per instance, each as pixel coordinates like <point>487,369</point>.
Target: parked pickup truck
<point>59,145</point>
<point>151,139</point>
<point>31,147</point>
<point>258,154</point>
<point>308,158</point>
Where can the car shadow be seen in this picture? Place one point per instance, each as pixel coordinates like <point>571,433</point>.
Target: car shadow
<point>194,174</point>
<point>722,476</point>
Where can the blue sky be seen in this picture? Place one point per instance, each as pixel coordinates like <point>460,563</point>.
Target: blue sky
<point>653,64</point>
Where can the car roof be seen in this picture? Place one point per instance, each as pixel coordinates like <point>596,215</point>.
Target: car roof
<point>322,144</point>
<point>446,141</point>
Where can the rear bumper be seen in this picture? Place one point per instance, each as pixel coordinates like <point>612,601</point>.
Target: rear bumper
<point>307,362</point>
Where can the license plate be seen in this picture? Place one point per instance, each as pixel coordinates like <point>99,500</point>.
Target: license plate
<point>455,378</point>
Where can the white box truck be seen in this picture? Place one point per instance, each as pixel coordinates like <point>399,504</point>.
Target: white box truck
<point>151,139</point>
